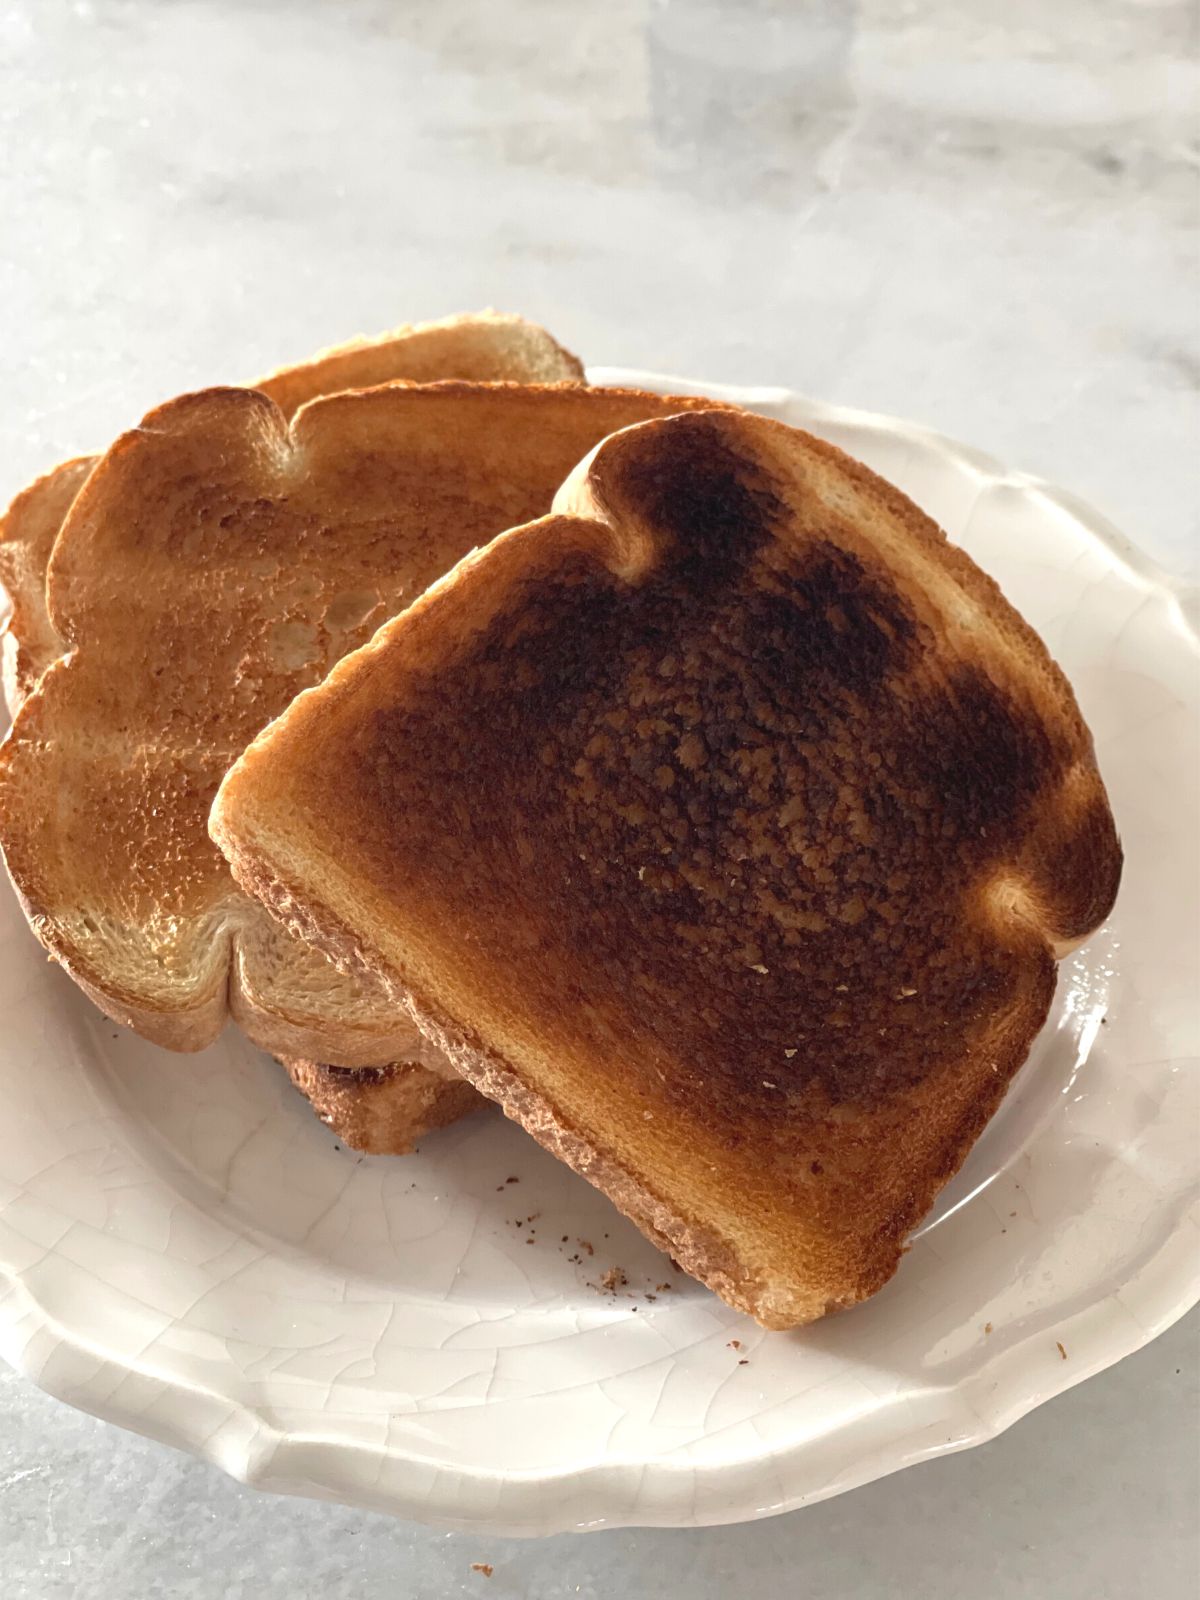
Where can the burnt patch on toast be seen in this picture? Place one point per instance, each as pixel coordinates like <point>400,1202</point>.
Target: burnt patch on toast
<point>743,821</point>
<point>359,1075</point>
<point>828,620</point>
<point>714,820</point>
<point>712,507</point>
<point>985,759</point>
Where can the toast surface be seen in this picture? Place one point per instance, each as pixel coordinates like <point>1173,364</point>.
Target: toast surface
<point>28,529</point>
<point>486,346</point>
<point>724,826</point>
<point>217,562</point>
<point>384,1111</point>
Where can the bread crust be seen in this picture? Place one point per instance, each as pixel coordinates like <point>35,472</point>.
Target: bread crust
<point>382,1111</point>
<point>28,642</point>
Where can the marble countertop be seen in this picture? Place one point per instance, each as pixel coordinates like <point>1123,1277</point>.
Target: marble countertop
<point>903,207</point>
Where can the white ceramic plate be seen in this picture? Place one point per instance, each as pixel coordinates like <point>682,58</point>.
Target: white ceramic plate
<point>186,1251</point>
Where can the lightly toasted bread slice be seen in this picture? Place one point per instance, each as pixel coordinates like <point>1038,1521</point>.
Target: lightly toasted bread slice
<point>724,827</point>
<point>28,529</point>
<point>481,347</point>
<point>216,563</point>
<point>384,1109</point>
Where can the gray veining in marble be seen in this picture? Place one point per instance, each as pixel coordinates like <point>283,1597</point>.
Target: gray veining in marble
<point>981,217</point>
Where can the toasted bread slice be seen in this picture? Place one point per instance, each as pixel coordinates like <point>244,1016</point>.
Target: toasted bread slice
<point>386,1108</point>
<point>476,347</point>
<point>724,827</point>
<point>485,346</point>
<point>384,1111</point>
<point>216,563</point>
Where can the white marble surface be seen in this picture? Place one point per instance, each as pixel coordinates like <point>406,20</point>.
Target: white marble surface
<point>900,206</point>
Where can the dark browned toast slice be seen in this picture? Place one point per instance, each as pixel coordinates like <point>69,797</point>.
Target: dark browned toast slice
<point>217,562</point>
<point>724,827</point>
<point>482,347</point>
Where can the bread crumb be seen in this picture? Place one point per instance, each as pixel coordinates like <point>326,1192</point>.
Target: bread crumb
<point>662,1287</point>
<point>585,1244</point>
<point>757,966</point>
<point>767,1084</point>
<point>744,1362</point>
<point>1061,1351</point>
<point>613,1279</point>
<point>789,1054</point>
<point>842,988</point>
<point>987,1327</point>
<point>734,1344</point>
<point>483,1566</point>
<point>906,994</point>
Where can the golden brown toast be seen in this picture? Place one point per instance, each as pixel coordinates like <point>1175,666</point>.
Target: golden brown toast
<point>484,346</point>
<point>385,1109</point>
<point>724,827</point>
<point>216,563</point>
<point>28,529</point>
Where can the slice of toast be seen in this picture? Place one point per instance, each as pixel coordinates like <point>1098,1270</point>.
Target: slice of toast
<point>724,827</point>
<point>216,563</point>
<point>384,1111</point>
<point>485,346</point>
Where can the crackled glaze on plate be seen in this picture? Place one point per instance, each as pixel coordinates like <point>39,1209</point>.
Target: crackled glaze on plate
<point>186,1251</point>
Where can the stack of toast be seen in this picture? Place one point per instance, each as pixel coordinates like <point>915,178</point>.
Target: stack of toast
<point>651,768</point>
